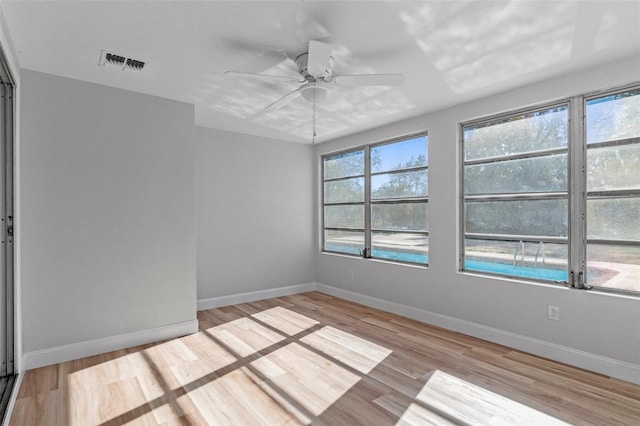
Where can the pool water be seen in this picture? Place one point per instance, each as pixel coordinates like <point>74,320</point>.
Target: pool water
<point>470,265</point>
<point>401,256</point>
<point>516,270</point>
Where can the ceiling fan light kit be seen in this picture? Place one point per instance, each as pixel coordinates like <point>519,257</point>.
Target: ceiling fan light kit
<point>312,92</point>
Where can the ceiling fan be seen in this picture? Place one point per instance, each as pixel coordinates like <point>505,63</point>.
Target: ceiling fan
<point>316,79</point>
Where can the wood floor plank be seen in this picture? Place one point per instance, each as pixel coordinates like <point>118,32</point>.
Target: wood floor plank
<point>409,412</point>
<point>284,320</point>
<point>351,350</point>
<point>42,380</point>
<point>459,399</point>
<point>243,336</point>
<point>316,359</point>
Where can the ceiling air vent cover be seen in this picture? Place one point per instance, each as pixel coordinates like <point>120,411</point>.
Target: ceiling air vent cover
<point>116,60</point>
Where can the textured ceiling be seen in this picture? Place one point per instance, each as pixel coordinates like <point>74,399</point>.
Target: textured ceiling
<point>449,52</point>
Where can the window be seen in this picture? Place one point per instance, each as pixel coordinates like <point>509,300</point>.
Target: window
<point>375,201</point>
<point>516,194</point>
<point>524,180</point>
<point>613,190</point>
<point>344,202</point>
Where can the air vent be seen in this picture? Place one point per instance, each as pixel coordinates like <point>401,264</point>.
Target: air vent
<point>134,64</point>
<point>116,60</point>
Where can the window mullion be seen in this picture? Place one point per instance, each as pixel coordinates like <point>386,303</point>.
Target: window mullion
<point>398,212</point>
<point>462,214</point>
<point>367,201</point>
<point>577,191</point>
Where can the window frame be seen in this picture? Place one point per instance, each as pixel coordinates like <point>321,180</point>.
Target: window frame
<point>513,196</point>
<point>324,203</point>
<point>602,194</point>
<point>369,201</point>
<point>577,193</point>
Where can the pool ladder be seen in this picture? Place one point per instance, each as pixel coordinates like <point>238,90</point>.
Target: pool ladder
<point>538,251</point>
<point>520,249</point>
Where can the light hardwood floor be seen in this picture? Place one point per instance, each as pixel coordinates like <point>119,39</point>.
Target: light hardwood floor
<point>313,358</point>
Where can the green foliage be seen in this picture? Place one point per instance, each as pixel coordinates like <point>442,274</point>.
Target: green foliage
<point>402,184</point>
<point>539,174</point>
<point>399,216</point>
<point>614,117</point>
<point>344,165</point>
<point>404,216</point>
<point>344,191</point>
<point>608,168</point>
<point>614,167</point>
<point>517,134</point>
<point>616,219</point>
<point>526,218</point>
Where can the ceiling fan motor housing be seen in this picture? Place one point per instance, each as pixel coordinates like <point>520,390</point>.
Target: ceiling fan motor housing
<point>302,63</point>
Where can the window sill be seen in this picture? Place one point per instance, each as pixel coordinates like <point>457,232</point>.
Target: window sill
<point>521,280</point>
<point>375,259</point>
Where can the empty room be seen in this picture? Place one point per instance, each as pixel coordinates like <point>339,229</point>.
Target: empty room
<point>320,212</point>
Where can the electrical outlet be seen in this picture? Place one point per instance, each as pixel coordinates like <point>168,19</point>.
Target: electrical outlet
<point>553,312</point>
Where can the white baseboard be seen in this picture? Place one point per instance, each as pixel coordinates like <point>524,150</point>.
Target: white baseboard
<point>599,364</point>
<point>44,357</point>
<point>252,296</point>
<point>603,365</point>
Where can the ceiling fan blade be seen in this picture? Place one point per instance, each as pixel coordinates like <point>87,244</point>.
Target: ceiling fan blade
<point>264,77</point>
<point>235,47</point>
<point>319,58</point>
<point>283,100</point>
<point>369,80</point>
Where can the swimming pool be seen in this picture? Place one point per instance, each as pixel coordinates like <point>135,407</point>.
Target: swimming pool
<point>516,270</point>
<point>541,273</point>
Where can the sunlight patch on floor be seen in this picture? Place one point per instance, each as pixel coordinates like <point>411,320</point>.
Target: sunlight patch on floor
<point>357,353</point>
<point>245,336</point>
<point>311,379</point>
<point>459,401</point>
<point>418,415</point>
<point>283,319</point>
<point>273,367</point>
<point>236,398</point>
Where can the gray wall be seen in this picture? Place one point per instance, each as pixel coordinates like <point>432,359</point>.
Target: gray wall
<point>107,193</point>
<point>254,214</point>
<point>600,324</point>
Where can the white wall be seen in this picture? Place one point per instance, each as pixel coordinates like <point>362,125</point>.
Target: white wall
<point>108,228</point>
<point>592,325</point>
<point>254,213</point>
